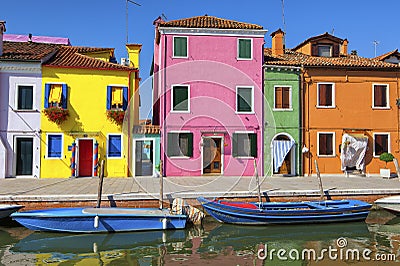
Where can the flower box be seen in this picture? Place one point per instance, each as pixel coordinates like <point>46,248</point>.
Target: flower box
<point>56,114</point>
<point>116,116</point>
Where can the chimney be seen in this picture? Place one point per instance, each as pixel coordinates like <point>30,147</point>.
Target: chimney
<point>343,47</point>
<point>2,30</point>
<point>278,42</point>
<point>30,37</point>
<point>134,52</point>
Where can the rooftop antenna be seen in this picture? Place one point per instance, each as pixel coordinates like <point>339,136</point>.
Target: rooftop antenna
<point>283,21</point>
<point>375,45</point>
<point>164,17</point>
<point>127,22</point>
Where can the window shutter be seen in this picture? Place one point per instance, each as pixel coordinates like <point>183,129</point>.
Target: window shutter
<point>278,97</point>
<point>125,100</point>
<point>47,87</point>
<point>253,145</point>
<point>335,50</point>
<point>322,144</point>
<point>64,96</point>
<point>314,50</point>
<point>234,144</point>
<point>109,91</point>
<point>322,101</point>
<point>54,146</point>
<point>328,95</point>
<point>114,149</point>
<point>190,145</point>
<point>170,144</point>
<point>329,146</point>
<point>286,97</point>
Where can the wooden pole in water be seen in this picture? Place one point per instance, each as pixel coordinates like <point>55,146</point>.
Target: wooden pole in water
<point>321,190</point>
<point>100,188</point>
<point>161,186</point>
<point>258,182</point>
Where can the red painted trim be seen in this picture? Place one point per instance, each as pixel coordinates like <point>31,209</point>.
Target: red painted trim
<point>77,67</point>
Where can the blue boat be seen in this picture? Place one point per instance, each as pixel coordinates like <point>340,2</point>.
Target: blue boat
<point>99,220</point>
<point>263,213</point>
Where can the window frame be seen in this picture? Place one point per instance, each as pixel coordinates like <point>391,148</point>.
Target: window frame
<point>64,86</point>
<point>47,146</point>
<point>387,96</point>
<point>125,93</point>
<point>108,146</point>
<point>333,145</point>
<point>179,156</point>
<point>252,100</point>
<point>238,49</point>
<point>172,98</point>
<point>17,97</point>
<point>333,96</point>
<point>388,142</point>
<point>290,108</point>
<point>173,47</point>
<point>244,156</point>
<point>325,45</point>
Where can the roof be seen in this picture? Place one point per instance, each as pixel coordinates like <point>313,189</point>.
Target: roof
<point>74,56</point>
<point>27,51</point>
<point>40,39</point>
<point>209,22</point>
<point>388,54</point>
<point>292,58</point>
<point>318,37</point>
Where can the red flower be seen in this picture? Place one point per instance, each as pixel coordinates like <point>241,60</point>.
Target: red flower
<point>116,116</point>
<point>56,114</point>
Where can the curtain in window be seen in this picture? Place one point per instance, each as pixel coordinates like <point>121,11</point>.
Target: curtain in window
<point>55,94</point>
<point>117,98</point>
<point>280,149</point>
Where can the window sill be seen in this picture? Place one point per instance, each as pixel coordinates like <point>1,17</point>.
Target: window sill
<point>180,112</point>
<point>380,108</point>
<point>244,157</point>
<point>326,156</point>
<point>245,113</point>
<point>180,57</point>
<point>26,110</point>
<point>179,157</point>
<point>112,157</point>
<point>283,109</point>
<point>244,59</point>
<point>326,107</point>
<point>53,158</point>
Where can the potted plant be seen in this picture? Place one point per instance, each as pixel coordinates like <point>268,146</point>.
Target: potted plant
<point>116,116</point>
<point>56,114</point>
<point>386,157</point>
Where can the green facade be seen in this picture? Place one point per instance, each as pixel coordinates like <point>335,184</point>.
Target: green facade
<point>282,123</point>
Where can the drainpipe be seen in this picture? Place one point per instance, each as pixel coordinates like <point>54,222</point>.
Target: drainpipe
<point>164,92</point>
<point>301,117</point>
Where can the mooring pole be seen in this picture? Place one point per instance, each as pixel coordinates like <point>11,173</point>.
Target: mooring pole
<point>321,190</point>
<point>100,188</point>
<point>258,182</point>
<point>161,186</point>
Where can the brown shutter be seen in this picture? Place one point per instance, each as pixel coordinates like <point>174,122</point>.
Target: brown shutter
<point>322,144</point>
<point>380,96</point>
<point>285,97</point>
<point>278,97</point>
<point>335,50</point>
<point>329,144</point>
<point>314,50</point>
<point>322,94</point>
<point>328,95</point>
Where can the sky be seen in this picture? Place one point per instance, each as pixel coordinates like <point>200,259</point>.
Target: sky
<point>102,23</point>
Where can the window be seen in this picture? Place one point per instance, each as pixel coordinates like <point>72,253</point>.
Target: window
<point>114,146</point>
<point>283,97</point>
<point>244,144</point>
<point>245,49</point>
<point>381,143</point>
<point>244,99</point>
<point>180,144</point>
<point>25,97</point>
<point>54,145</point>
<point>180,98</point>
<point>325,50</point>
<point>55,95</point>
<point>117,97</point>
<point>326,144</point>
<point>326,95</point>
<point>180,47</point>
<point>380,96</point>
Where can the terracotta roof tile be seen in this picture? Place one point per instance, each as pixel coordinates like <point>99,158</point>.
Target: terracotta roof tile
<point>318,37</point>
<point>388,54</point>
<point>292,58</point>
<point>27,51</point>
<point>146,129</point>
<point>74,56</point>
<point>209,22</point>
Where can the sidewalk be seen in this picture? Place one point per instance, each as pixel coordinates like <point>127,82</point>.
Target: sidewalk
<point>144,188</point>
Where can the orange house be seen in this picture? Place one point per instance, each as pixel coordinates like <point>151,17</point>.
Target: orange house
<point>350,106</point>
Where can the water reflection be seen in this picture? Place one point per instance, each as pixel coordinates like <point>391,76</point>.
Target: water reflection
<point>212,244</point>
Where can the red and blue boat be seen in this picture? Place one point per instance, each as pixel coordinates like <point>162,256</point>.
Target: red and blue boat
<point>264,213</point>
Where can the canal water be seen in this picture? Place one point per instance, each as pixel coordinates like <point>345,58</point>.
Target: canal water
<point>374,242</point>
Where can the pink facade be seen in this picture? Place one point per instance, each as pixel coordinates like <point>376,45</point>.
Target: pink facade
<point>214,132</point>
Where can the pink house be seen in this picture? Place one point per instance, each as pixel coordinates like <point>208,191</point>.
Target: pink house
<point>207,96</point>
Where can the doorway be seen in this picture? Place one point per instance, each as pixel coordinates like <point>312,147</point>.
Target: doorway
<point>24,156</point>
<point>144,157</point>
<point>212,156</point>
<point>85,157</point>
<point>283,159</point>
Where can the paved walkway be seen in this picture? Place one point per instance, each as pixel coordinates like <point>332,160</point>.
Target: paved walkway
<point>190,187</point>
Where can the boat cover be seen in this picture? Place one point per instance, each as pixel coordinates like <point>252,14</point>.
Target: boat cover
<point>353,151</point>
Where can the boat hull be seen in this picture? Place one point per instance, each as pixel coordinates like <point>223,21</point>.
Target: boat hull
<point>7,210</point>
<point>92,220</point>
<point>286,213</point>
<point>391,204</point>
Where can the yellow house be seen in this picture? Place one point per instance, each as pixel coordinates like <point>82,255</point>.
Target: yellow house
<point>88,106</point>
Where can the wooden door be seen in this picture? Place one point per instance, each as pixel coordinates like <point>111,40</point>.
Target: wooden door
<point>85,163</point>
<point>285,169</point>
<point>212,163</point>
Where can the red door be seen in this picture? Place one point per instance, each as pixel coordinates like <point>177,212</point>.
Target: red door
<point>85,163</point>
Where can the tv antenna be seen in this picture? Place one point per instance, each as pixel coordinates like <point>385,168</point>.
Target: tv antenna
<point>283,21</point>
<point>127,22</point>
<point>375,45</point>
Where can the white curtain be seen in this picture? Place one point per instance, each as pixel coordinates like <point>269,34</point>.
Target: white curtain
<point>353,151</point>
<point>280,149</point>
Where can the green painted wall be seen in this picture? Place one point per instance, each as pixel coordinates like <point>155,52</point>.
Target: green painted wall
<point>288,121</point>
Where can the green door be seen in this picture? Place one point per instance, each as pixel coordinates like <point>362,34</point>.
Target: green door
<point>24,154</point>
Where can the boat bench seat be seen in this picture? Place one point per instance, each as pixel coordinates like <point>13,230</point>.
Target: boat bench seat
<point>315,205</point>
<point>125,211</point>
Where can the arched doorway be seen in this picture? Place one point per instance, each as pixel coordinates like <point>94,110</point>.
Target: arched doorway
<point>283,154</point>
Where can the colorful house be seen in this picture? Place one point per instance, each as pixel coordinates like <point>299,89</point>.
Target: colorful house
<point>20,102</point>
<point>350,113</point>
<point>208,97</point>
<point>282,114</point>
<point>85,97</point>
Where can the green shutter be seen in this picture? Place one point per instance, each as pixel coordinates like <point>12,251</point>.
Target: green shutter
<point>180,98</point>
<point>244,98</point>
<point>234,145</point>
<point>170,143</point>
<point>253,145</point>
<point>180,46</point>
<point>245,48</point>
<point>190,145</point>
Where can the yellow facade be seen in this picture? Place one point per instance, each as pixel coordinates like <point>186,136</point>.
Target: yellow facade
<point>87,121</point>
